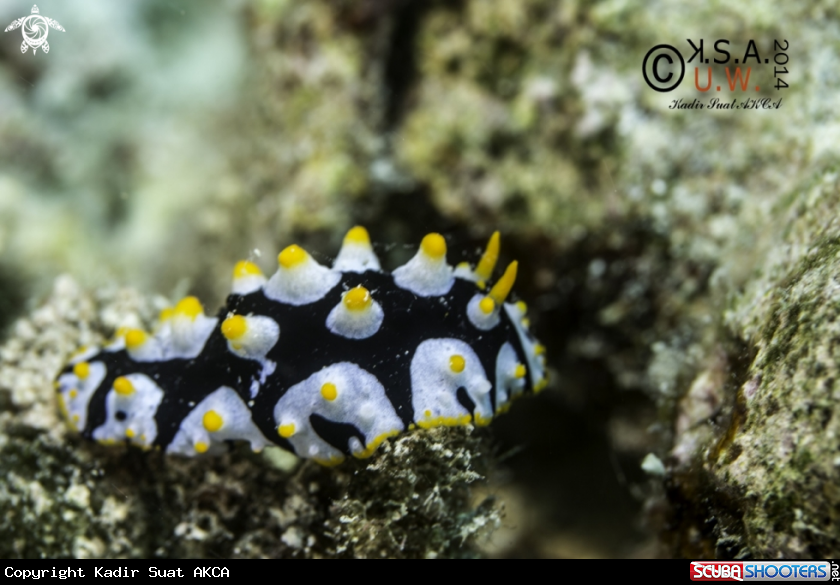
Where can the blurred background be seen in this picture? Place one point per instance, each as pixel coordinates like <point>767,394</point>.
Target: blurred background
<point>160,141</point>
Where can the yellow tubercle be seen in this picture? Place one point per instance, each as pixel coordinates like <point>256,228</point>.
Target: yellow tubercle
<point>371,447</point>
<point>234,327</point>
<point>134,338</point>
<point>286,431</point>
<point>539,349</point>
<point>540,386</point>
<point>357,235</point>
<point>83,349</point>
<point>244,268</point>
<point>166,314</point>
<point>291,256</point>
<point>520,371</point>
<point>485,267</point>
<point>73,393</point>
<point>212,421</point>
<point>75,419</point>
<point>189,307</point>
<point>331,462</point>
<point>357,299</point>
<point>487,305</point>
<point>523,308</point>
<point>526,323</point>
<point>62,407</point>
<point>457,363</point>
<point>329,391</point>
<point>434,246</point>
<point>201,447</point>
<point>501,289</point>
<point>123,386</point>
<point>481,421</point>
<point>129,433</point>
<point>81,370</point>
<point>444,421</point>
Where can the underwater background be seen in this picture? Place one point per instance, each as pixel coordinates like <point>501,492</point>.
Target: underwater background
<point>680,265</point>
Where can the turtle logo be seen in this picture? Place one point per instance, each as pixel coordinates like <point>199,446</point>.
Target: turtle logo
<point>35,31</point>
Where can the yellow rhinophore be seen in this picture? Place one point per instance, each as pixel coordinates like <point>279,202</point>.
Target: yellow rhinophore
<point>501,289</point>
<point>485,267</point>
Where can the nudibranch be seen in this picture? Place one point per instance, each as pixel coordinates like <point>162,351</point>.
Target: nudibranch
<point>324,362</point>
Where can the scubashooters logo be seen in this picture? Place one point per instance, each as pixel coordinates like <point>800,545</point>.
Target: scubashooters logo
<point>760,571</point>
<point>35,29</point>
<point>664,68</point>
